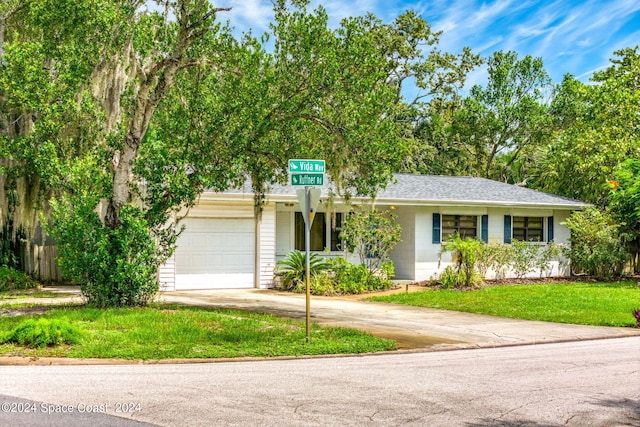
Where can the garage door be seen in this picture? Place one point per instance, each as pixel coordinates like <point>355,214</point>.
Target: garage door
<point>215,253</point>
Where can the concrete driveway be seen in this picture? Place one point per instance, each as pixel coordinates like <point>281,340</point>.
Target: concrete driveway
<point>411,327</point>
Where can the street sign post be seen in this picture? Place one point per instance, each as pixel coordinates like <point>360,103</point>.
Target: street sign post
<point>307,173</point>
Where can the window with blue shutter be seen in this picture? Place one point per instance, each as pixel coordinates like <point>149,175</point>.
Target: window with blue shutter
<point>484,228</point>
<point>507,228</point>
<point>550,229</point>
<point>436,228</point>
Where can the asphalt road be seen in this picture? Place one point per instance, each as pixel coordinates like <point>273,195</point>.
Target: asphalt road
<point>587,383</point>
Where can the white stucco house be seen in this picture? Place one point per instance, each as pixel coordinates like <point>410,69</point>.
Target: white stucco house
<point>224,247</point>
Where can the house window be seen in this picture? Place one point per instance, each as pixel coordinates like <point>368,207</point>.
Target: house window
<point>528,228</point>
<point>336,227</point>
<point>465,225</point>
<point>320,239</point>
<point>318,232</point>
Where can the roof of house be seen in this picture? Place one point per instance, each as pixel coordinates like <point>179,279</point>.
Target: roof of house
<point>468,189</point>
<point>432,189</point>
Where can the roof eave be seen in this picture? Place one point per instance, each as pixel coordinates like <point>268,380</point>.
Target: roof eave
<point>211,196</point>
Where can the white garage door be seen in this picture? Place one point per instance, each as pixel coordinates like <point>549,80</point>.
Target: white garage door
<point>215,253</point>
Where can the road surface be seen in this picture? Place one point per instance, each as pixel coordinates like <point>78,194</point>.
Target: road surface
<point>586,383</point>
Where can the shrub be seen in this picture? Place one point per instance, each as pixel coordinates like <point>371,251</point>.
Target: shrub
<point>322,284</point>
<point>44,332</point>
<point>545,256</point>
<point>114,267</point>
<point>450,277</point>
<point>371,235</point>
<point>596,246</point>
<point>523,257</point>
<point>11,279</point>
<point>466,256</point>
<point>333,276</point>
<point>520,257</point>
<point>292,269</point>
<point>495,257</point>
<point>358,279</point>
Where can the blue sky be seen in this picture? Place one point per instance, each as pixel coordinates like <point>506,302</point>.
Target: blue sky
<point>575,37</point>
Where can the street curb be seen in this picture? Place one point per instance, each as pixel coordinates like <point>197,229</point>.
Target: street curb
<point>63,361</point>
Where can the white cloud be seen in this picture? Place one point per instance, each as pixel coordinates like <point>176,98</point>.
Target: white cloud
<point>246,14</point>
<point>570,35</point>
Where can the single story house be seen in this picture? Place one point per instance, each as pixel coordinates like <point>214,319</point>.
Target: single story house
<point>223,246</point>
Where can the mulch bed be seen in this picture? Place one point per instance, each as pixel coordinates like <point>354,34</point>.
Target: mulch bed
<point>527,281</point>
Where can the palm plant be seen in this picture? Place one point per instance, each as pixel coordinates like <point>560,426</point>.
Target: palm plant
<point>292,268</point>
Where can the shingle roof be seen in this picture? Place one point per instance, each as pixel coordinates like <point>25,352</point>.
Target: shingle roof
<point>469,190</point>
<point>432,189</point>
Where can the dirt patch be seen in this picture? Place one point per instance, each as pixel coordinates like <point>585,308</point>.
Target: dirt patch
<point>22,311</point>
<point>409,340</point>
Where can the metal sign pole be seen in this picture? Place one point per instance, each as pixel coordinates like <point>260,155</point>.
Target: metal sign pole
<point>307,246</point>
<point>307,173</point>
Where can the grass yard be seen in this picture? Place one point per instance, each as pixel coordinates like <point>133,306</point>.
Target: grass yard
<point>165,331</point>
<point>603,304</point>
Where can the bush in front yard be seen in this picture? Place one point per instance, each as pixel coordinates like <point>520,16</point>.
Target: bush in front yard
<point>43,333</point>
<point>358,279</point>
<point>292,270</point>
<point>596,245</point>
<point>11,279</point>
<point>331,277</point>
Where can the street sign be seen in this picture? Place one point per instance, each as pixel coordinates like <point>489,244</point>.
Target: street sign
<point>307,179</point>
<point>307,173</point>
<point>301,165</point>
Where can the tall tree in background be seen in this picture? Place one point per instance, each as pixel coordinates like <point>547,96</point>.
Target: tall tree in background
<point>600,128</point>
<point>501,125</point>
<point>493,131</point>
<point>625,207</point>
<point>427,84</point>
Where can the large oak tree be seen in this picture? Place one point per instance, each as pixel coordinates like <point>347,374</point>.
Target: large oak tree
<point>123,114</point>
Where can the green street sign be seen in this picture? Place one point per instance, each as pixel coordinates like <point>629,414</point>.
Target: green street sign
<point>309,166</point>
<point>307,179</point>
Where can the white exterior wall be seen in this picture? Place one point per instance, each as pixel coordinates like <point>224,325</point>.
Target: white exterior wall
<point>427,253</point>
<point>429,262</point>
<point>561,236</point>
<point>267,246</point>
<point>415,258</point>
<point>284,230</point>
<point>404,254</point>
<point>167,274</point>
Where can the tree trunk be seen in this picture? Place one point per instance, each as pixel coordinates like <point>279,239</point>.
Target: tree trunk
<point>151,92</point>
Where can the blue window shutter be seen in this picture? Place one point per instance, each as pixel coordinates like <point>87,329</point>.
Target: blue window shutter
<point>484,228</point>
<point>436,228</point>
<point>550,229</point>
<point>507,228</point>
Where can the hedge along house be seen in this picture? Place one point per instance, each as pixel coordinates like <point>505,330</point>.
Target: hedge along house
<point>223,246</point>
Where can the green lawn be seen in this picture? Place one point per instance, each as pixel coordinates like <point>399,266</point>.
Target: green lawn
<point>165,331</point>
<point>605,304</point>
